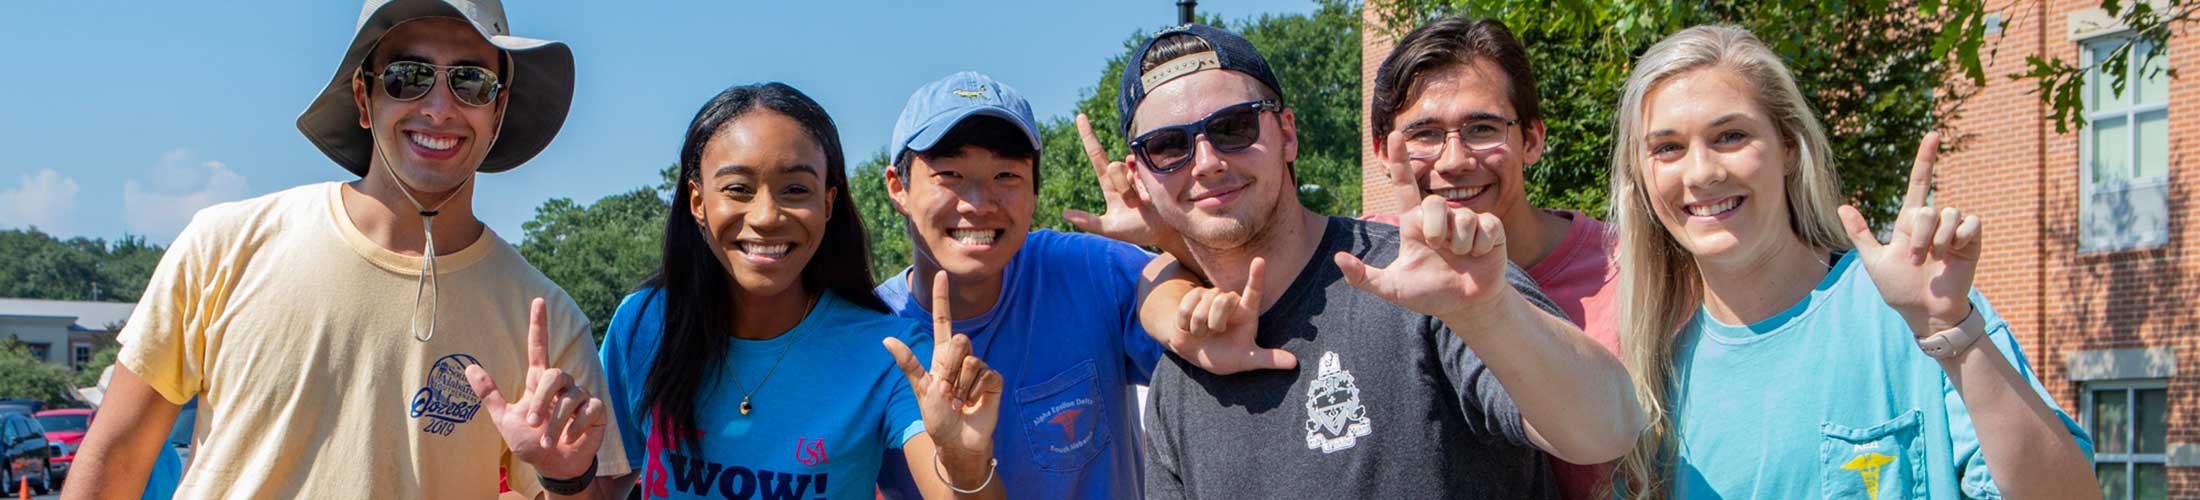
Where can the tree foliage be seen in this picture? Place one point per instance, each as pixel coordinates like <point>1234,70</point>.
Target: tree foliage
<point>40,266</point>
<point>1873,70</point>
<point>599,252</point>
<point>1317,58</point>
<point>23,376</point>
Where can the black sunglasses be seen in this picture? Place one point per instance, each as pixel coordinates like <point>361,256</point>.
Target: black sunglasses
<point>1229,129</point>
<point>410,80</point>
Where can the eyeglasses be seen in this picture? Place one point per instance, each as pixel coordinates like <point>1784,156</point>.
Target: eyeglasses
<point>410,80</point>
<point>1229,129</point>
<point>1478,135</point>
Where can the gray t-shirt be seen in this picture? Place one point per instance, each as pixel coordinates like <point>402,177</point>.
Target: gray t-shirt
<point>1385,402</point>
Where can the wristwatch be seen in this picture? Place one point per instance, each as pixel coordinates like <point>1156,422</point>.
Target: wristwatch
<point>568,486</point>
<point>1952,342</point>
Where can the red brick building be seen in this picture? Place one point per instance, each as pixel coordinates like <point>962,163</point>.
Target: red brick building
<point>2094,237</point>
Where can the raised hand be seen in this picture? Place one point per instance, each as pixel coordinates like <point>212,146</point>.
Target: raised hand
<point>555,425</point>
<point>1926,267</point>
<point>1128,219</point>
<point>1216,328</point>
<point>960,396</point>
<point>1449,259</point>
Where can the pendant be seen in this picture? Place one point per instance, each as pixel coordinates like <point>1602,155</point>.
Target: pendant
<point>744,405</point>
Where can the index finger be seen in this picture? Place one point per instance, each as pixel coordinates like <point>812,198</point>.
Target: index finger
<point>1094,152</point>
<point>1251,297</point>
<point>538,335</point>
<point>1921,171</point>
<point>1400,167</point>
<point>943,324</point>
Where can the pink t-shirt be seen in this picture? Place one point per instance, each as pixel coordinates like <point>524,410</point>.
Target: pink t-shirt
<point>1582,278</point>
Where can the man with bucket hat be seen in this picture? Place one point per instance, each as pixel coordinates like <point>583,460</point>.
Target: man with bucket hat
<point>310,322</point>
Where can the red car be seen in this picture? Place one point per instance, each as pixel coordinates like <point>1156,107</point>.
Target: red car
<point>64,428</point>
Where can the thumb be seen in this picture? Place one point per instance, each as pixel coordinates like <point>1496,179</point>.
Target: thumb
<point>1084,221</point>
<point>1358,273</point>
<point>1860,233</point>
<point>1272,359</point>
<point>486,389</point>
<point>907,361</point>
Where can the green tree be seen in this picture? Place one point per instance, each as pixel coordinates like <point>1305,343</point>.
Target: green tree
<point>1317,58</point>
<point>1873,70</point>
<point>23,376</point>
<point>87,375</point>
<point>41,266</point>
<point>599,252</point>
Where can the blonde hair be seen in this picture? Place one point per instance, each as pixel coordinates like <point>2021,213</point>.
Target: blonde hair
<point>1659,286</point>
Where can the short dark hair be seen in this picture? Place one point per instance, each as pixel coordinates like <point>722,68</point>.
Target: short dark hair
<point>989,133</point>
<point>1449,42</point>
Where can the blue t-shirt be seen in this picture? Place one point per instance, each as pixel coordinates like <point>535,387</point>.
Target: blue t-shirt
<point>818,427</point>
<point>1065,336</point>
<point>1829,399</point>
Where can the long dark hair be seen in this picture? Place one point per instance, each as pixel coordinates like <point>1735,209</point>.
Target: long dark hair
<point>698,292</point>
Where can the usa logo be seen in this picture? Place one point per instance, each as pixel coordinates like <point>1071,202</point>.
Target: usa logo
<point>447,399</point>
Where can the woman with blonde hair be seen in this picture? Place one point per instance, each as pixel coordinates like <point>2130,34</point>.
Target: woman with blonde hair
<point>1783,351</point>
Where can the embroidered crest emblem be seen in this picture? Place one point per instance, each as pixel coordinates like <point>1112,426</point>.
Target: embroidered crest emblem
<point>1335,419</point>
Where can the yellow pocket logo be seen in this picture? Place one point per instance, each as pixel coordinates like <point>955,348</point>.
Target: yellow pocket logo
<point>1867,465</point>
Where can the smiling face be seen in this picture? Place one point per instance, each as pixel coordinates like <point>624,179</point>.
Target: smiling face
<point>762,201</point>
<point>1447,98</point>
<point>1218,200</point>
<point>969,210</point>
<point>1715,166</point>
<point>434,142</point>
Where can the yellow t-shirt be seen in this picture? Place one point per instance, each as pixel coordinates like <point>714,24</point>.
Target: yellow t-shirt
<point>294,330</point>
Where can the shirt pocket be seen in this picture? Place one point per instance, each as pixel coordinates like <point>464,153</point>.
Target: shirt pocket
<point>1885,461</point>
<point>1064,419</point>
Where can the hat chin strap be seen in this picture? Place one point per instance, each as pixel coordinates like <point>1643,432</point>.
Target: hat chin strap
<point>427,293</point>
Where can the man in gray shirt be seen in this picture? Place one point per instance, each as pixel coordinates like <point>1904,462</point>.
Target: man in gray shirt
<point>1401,394</point>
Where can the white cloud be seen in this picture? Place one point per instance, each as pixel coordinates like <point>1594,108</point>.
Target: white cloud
<point>159,204</point>
<point>46,200</point>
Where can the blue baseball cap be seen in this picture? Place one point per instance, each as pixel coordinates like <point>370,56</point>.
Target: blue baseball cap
<point>1226,51</point>
<point>938,106</point>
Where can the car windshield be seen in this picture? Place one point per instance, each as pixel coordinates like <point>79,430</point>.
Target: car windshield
<point>65,422</point>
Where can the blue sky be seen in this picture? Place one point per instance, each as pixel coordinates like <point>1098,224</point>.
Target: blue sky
<point>140,113</point>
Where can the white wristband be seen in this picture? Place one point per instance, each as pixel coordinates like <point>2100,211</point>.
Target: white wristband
<point>992,466</point>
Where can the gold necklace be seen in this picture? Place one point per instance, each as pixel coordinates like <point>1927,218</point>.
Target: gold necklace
<point>745,407</point>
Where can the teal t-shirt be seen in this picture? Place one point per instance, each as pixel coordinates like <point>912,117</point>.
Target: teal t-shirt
<point>819,427</point>
<point>1829,399</point>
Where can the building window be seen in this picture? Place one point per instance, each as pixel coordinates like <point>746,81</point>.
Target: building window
<point>2128,422</point>
<point>2124,152</point>
<point>39,350</point>
<point>82,355</point>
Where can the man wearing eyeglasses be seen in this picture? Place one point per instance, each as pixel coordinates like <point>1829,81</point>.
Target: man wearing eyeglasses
<point>344,339</point>
<point>1404,392</point>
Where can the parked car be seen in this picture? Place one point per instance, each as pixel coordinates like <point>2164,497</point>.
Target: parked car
<point>28,454</point>
<point>65,429</point>
<point>20,405</point>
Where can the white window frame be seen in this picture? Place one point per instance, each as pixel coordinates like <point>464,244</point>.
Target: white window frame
<point>2132,458</point>
<point>2086,148</point>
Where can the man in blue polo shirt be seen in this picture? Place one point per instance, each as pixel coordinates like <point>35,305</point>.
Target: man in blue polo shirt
<point>1054,312</point>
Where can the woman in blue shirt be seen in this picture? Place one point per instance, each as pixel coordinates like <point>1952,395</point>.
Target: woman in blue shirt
<point>1783,351</point>
<point>751,364</point>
